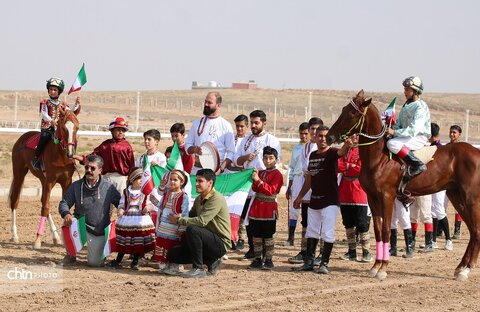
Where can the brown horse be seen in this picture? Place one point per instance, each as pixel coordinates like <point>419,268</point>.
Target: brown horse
<point>58,168</point>
<point>454,168</point>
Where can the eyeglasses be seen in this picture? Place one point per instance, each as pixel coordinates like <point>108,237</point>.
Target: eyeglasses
<point>90,168</point>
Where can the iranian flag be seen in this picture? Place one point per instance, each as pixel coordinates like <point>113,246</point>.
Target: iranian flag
<point>79,81</point>
<point>389,115</point>
<point>110,239</point>
<point>75,235</point>
<point>233,186</point>
<point>147,183</point>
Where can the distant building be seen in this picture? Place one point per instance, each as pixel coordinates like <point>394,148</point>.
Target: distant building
<point>251,84</point>
<point>206,85</point>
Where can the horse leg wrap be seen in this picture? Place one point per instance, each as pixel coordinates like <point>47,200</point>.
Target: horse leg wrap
<point>379,251</point>
<point>41,225</point>
<point>386,251</point>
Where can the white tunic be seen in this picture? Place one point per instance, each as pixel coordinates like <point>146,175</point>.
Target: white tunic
<point>158,157</point>
<point>255,144</point>
<point>215,130</point>
<point>307,150</point>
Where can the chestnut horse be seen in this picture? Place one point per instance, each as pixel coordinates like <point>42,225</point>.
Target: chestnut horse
<point>454,168</point>
<point>58,168</point>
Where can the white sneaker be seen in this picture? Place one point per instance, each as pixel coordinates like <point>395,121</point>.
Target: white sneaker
<point>225,257</point>
<point>449,245</point>
<point>434,245</point>
<point>172,269</point>
<point>162,266</point>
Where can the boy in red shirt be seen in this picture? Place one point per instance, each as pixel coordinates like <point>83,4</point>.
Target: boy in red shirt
<point>263,213</point>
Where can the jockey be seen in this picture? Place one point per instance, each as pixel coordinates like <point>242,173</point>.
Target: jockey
<point>412,128</point>
<point>49,110</point>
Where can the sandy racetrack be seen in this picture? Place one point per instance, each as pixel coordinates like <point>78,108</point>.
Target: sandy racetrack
<point>423,283</point>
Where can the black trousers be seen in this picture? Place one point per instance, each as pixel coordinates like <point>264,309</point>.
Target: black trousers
<point>45,136</point>
<point>200,247</point>
<point>355,216</point>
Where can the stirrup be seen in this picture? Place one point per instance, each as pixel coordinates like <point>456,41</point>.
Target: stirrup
<point>406,199</point>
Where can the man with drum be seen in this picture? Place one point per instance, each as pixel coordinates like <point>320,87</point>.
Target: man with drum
<point>214,129</point>
<point>250,155</point>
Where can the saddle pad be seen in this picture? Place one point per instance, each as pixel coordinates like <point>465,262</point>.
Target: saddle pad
<point>32,141</point>
<point>425,154</point>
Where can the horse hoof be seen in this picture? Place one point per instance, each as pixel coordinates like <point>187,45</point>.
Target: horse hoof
<point>381,276</point>
<point>37,245</point>
<point>14,240</point>
<point>462,275</point>
<point>372,273</point>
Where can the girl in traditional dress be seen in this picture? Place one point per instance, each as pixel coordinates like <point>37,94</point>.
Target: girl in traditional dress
<point>135,229</point>
<point>175,200</point>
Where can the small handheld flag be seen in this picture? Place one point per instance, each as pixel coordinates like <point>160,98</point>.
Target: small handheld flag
<point>79,81</point>
<point>389,115</point>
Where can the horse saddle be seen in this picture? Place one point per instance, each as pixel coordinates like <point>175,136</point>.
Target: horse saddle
<point>425,155</point>
<point>32,141</point>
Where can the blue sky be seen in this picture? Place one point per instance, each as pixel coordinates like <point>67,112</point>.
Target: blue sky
<point>161,45</point>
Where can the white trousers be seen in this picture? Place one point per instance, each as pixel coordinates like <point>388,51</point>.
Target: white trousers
<point>295,189</point>
<point>400,215</point>
<point>322,222</point>
<point>438,205</point>
<point>421,209</point>
<point>395,144</point>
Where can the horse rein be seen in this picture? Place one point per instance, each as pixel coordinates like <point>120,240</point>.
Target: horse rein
<point>359,124</point>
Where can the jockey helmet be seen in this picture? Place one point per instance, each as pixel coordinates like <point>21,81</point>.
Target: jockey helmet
<point>118,122</point>
<point>415,83</point>
<point>56,82</point>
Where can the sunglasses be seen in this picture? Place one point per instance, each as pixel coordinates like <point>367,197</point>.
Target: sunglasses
<point>90,168</point>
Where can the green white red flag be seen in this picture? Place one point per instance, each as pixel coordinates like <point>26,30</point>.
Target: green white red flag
<point>75,235</point>
<point>110,239</point>
<point>79,81</point>
<point>389,115</point>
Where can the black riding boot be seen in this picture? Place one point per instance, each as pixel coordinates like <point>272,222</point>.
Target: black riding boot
<point>393,242</point>
<point>327,251</point>
<point>408,243</point>
<point>416,165</point>
<point>456,230</point>
<point>291,236</point>
<point>310,256</point>
<point>428,242</point>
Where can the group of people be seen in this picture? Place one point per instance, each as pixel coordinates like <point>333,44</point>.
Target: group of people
<point>322,181</point>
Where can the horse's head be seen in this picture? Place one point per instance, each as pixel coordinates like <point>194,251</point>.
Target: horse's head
<point>350,120</point>
<point>68,126</point>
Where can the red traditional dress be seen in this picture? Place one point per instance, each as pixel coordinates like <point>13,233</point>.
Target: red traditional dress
<point>264,210</point>
<point>350,190</point>
<point>135,230</point>
<point>169,235</point>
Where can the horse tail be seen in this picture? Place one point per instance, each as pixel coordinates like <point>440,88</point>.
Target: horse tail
<point>15,189</point>
<point>19,172</point>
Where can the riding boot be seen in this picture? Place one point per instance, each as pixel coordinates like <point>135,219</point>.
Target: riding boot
<point>327,251</point>
<point>416,165</point>
<point>435,229</point>
<point>408,243</point>
<point>45,136</point>
<point>428,242</point>
<point>309,257</point>
<point>393,242</point>
<point>456,230</point>
<point>291,236</point>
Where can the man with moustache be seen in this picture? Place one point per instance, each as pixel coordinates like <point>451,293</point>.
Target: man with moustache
<point>213,128</point>
<point>250,155</point>
<point>92,196</point>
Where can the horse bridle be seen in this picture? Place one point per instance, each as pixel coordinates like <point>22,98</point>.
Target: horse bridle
<point>359,124</point>
<point>62,138</point>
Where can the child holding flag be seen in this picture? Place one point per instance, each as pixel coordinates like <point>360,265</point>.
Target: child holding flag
<point>151,138</point>
<point>263,213</point>
<point>49,109</point>
<point>135,229</point>
<point>174,201</point>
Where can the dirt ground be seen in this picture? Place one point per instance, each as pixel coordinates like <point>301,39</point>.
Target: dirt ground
<point>423,283</point>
